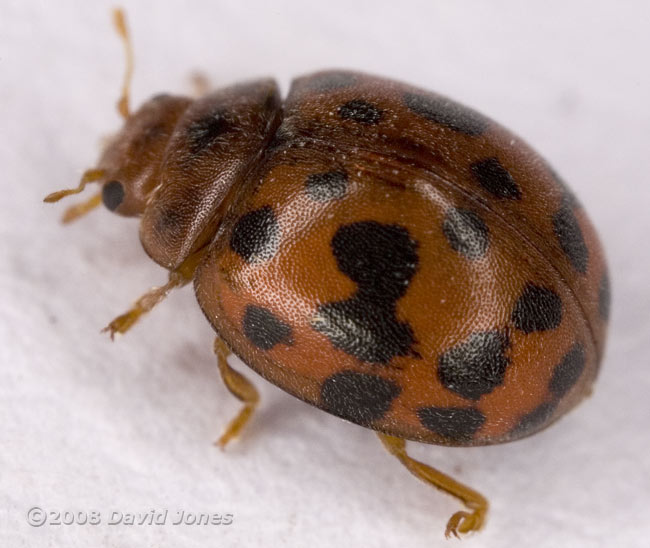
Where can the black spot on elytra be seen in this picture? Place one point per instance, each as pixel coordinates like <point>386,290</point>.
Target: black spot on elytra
<point>322,187</point>
<point>537,309</point>
<point>363,330</point>
<point>604,297</point>
<point>358,397</point>
<point>495,178</point>
<point>445,112</point>
<point>454,423</point>
<point>112,195</point>
<point>538,417</point>
<point>256,235</point>
<point>331,80</point>
<point>568,371</point>
<point>360,111</point>
<point>568,233</point>
<point>264,329</point>
<point>381,259</point>
<point>206,131</point>
<point>466,233</point>
<point>476,366</point>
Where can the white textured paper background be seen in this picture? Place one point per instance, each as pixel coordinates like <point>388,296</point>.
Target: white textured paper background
<point>87,424</point>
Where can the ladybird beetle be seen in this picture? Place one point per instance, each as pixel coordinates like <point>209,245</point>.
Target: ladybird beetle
<point>378,251</point>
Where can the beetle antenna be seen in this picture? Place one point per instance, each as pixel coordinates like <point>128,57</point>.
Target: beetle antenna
<point>78,210</point>
<point>119,20</point>
<point>89,176</point>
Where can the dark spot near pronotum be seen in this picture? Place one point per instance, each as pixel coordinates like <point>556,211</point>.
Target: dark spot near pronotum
<point>466,233</point>
<point>358,397</point>
<point>495,178</point>
<point>112,194</point>
<point>568,371</point>
<point>330,81</point>
<point>360,111</point>
<point>537,309</point>
<point>534,420</point>
<point>381,259</point>
<point>476,366</point>
<point>264,329</point>
<point>453,423</point>
<point>445,112</point>
<point>203,133</point>
<point>569,235</point>
<point>256,235</point>
<point>322,187</point>
<point>604,297</point>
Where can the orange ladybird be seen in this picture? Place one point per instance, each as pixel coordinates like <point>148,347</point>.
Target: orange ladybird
<point>376,250</point>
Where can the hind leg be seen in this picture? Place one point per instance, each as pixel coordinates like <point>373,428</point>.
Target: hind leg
<point>460,522</point>
<point>241,388</point>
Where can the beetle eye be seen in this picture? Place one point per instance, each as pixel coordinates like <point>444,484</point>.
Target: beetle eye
<point>113,194</point>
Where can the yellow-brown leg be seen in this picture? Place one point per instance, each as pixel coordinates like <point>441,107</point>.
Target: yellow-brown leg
<point>119,20</point>
<point>240,387</point>
<point>177,278</point>
<point>460,522</point>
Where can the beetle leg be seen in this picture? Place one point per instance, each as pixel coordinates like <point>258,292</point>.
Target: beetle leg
<point>460,522</point>
<point>80,209</point>
<point>119,20</point>
<point>241,388</point>
<point>144,304</point>
<point>177,278</point>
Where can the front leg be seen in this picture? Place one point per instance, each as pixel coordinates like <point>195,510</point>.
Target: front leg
<point>177,278</point>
